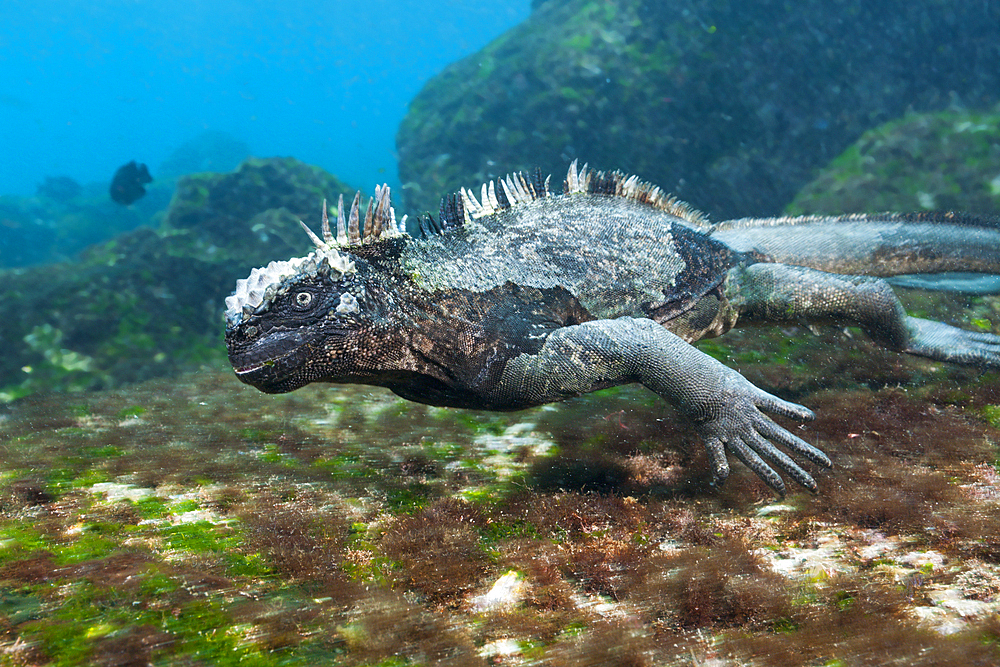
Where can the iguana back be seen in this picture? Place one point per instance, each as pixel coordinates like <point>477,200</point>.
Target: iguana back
<point>616,255</point>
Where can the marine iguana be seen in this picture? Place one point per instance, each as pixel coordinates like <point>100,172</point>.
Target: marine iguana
<point>524,296</point>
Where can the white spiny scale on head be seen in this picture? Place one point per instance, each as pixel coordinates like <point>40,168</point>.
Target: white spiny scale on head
<point>508,190</point>
<point>487,207</point>
<point>577,180</point>
<point>374,228</point>
<point>327,235</point>
<point>516,188</point>
<point>354,237</point>
<point>494,202</point>
<point>385,214</point>
<point>312,237</point>
<point>341,227</point>
<point>513,184</point>
<point>469,205</point>
<point>572,184</point>
<point>484,194</point>
<point>379,223</point>
<point>628,186</point>
<point>380,216</point>
<point>367,231</point>
<point>521,188</point>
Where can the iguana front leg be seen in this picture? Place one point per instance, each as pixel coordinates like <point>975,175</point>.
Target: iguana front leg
<point>778,292</point>
<point>727,410</point>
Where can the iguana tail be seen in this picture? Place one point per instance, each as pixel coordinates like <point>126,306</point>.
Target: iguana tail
<point>887,244</point>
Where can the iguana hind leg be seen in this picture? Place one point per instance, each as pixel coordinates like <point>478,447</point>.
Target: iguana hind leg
<point>945,343</point>
<point>726,409</point>
<point>778,292</point>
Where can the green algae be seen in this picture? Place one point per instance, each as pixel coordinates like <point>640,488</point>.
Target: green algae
<point>931,161</point>
<point>194,519</point>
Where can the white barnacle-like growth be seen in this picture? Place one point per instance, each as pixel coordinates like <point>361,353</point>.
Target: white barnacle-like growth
<point>254,293</point>
<point>348,304</point>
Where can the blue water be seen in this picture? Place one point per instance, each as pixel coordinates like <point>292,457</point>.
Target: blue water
<point>86,85</point>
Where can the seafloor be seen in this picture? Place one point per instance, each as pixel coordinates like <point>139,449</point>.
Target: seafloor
<point>195,521</point>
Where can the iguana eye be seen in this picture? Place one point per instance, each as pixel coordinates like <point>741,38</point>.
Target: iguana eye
<point>250,331</point>
<point>303,299</point>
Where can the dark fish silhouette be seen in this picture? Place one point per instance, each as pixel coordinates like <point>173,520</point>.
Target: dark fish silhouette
<point>126,186</point>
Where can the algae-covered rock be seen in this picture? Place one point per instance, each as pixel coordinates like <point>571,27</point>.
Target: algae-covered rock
<point>936,161</point>
<point>948,160</point>
<point>732,106</point>
<point>149,303</point>
<point>128,310</point>
<point>251,214</point>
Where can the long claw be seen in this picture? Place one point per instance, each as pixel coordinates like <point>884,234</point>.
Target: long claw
<point>772,431</point>
<point>751,460</point>
<point>717,459</point>
<point>779,406</point>
<point>782,460</point>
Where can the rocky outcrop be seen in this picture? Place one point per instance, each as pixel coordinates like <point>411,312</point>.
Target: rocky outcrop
<point>251,215</point>
<point>935,161</point>
<point>149,302</point>
<point>732,106</point>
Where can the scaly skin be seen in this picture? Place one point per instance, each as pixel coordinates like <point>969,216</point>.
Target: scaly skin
<point>525,297</point>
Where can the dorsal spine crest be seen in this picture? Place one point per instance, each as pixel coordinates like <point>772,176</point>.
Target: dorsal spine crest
<point>380,222</point>
<point>514,189</point>
<point>496,195</point>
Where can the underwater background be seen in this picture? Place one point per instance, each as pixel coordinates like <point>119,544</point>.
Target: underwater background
<point>155,511</point>
<point>90,85</point>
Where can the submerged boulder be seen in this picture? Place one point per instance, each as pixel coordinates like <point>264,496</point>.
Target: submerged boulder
<point>251,215</point>
<point>731,106</point>
<point>933,161</point>
<point>149,302</point>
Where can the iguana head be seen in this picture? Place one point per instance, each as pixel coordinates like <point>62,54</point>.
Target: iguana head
<point>305,319</point>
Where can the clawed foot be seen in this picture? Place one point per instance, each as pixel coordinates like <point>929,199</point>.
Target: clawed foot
<point>739,426</point>
<point>946,343</point>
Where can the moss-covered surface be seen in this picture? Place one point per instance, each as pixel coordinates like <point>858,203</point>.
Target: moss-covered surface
<point>149,302</point>
<point>731,106</point>
<point>943,161</point>
<point>264,196</point>
<point>197,521</point>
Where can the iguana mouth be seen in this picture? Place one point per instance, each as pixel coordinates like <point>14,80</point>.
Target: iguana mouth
<point>268,362</point>
<point>255,367</point>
